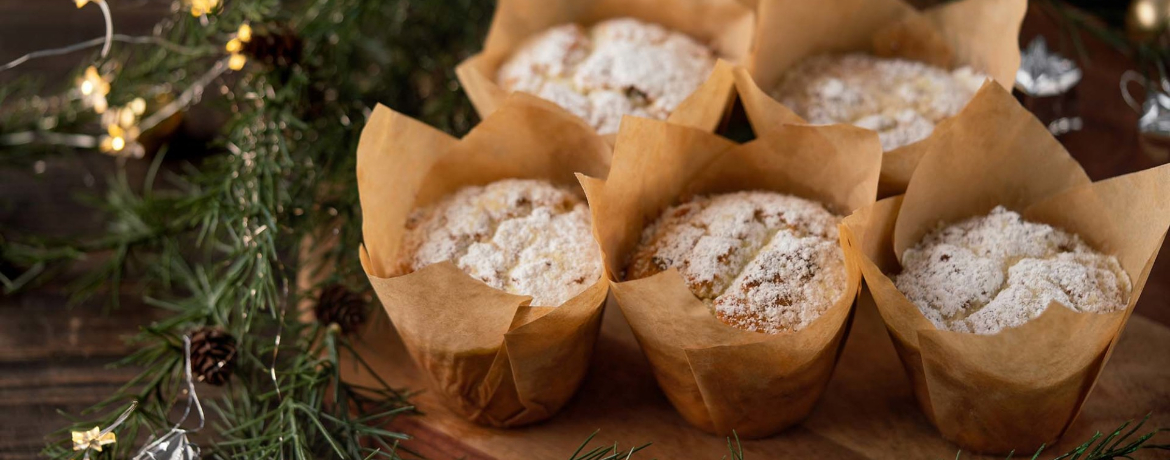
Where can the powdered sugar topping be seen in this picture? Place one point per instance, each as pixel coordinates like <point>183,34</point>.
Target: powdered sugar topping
<point>618,67</point>
<point>524,237</point>
<point>764,261</point>
<point>998,271</point>
<point>900,99</point>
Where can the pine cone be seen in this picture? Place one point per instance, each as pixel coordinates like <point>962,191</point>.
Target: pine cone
<point>213,355</point>
<point>277,45</point>
<point>338,305</point>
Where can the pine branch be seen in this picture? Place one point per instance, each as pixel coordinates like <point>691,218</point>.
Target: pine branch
<point>604,452</point>
<point>214,246</point>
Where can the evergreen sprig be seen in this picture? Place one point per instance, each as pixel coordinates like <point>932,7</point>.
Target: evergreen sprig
<point>215,242</point>
<point>604,452</point>
<point>1118,444</point>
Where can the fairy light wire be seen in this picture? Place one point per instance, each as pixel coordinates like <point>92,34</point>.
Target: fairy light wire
<point>109,26</point>
<point>189,95</point>
<point>139,40</point>
<point>177,430</point>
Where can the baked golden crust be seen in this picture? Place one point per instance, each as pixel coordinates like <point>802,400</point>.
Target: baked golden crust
<point>524,237</point>
<point>763,261</point>
<point>998,271</point>
<point>900,99</point>
<point>618,67</point>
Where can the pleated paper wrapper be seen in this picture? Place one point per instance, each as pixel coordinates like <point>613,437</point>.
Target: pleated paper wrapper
<point>493,358</point>
<point>980,33</point>
<point>727,26</point>
<point>720,378</point>
<point>1024,386</point>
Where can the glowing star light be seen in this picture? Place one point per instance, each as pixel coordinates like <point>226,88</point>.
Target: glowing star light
<point>94,89</point>
<point>115,141</point>
<point>92,439</point>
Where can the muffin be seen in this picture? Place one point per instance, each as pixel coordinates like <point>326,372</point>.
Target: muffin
<point>998,271</point>
<point>524,237</point>
<point>763,261</point>
<point>900,99</point>
<point>617,67</point>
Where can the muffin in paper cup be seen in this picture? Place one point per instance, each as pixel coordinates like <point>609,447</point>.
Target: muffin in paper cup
<point>1023,386</point>
<point>492,357</point>
<point>726,26</point>
<point>982,34</point>
<point>720,378</point>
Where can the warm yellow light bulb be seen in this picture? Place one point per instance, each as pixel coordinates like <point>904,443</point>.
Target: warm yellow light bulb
<point>236,62</point>
<point>202,7</point>
<point>234,45</point>
<point>81,3</point>
<point>126,117</point>
<point>117,144</point>
<point>1145,13</point>
<point>86,87</point>
<point>245,33</point>
<point>137,106</point>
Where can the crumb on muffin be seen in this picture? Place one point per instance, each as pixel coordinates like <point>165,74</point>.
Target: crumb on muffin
<point>525,237</point>
<point>617,67</point>
<point>900,99</point>
<point>999,271</point>
<point>763,261</point>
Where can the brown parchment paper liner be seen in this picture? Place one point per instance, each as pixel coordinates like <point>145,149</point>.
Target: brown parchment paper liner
<point>718,377</point>
<point>1023,386</point>
<point>727,26</point>
<point>493,358</point>
<point>980,33</point>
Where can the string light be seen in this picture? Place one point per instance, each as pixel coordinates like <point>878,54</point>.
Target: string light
<point>93,439</point>
<point>245,33</point>
<point>94,88</point>
<point>202,7</point>
<point>124,124</point>
<point>235,46</point>
<point>115,141</point>
<point>237,61</point>
<point>109,22</point>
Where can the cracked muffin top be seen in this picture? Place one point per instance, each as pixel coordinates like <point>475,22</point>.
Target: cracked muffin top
<point>763,261</point>
<point>900,99</point>
<point>617,67</point>
<point>525,237</point>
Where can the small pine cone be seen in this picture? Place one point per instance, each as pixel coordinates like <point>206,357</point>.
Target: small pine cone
<point>340,306</point>
<point>277,45</point>
<point>213,355</point>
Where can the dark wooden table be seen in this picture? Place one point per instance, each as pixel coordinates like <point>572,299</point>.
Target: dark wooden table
<point>54,357</point>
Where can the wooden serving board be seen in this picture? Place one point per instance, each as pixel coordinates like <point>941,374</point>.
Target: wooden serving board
<point>867,412</point>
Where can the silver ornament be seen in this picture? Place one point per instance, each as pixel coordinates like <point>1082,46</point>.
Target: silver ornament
<point>1044,73</point>
<point>1155,111</point>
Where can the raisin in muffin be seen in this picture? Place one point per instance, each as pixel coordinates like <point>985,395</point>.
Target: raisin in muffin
<point>524,237</point>
<point>900,99</point>
<point>617,67</point>
<point>763,261</point>
<point>998,271</point>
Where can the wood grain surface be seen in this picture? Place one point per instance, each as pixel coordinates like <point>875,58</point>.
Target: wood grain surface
<point>867,412</point>
<point>54,357</point>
